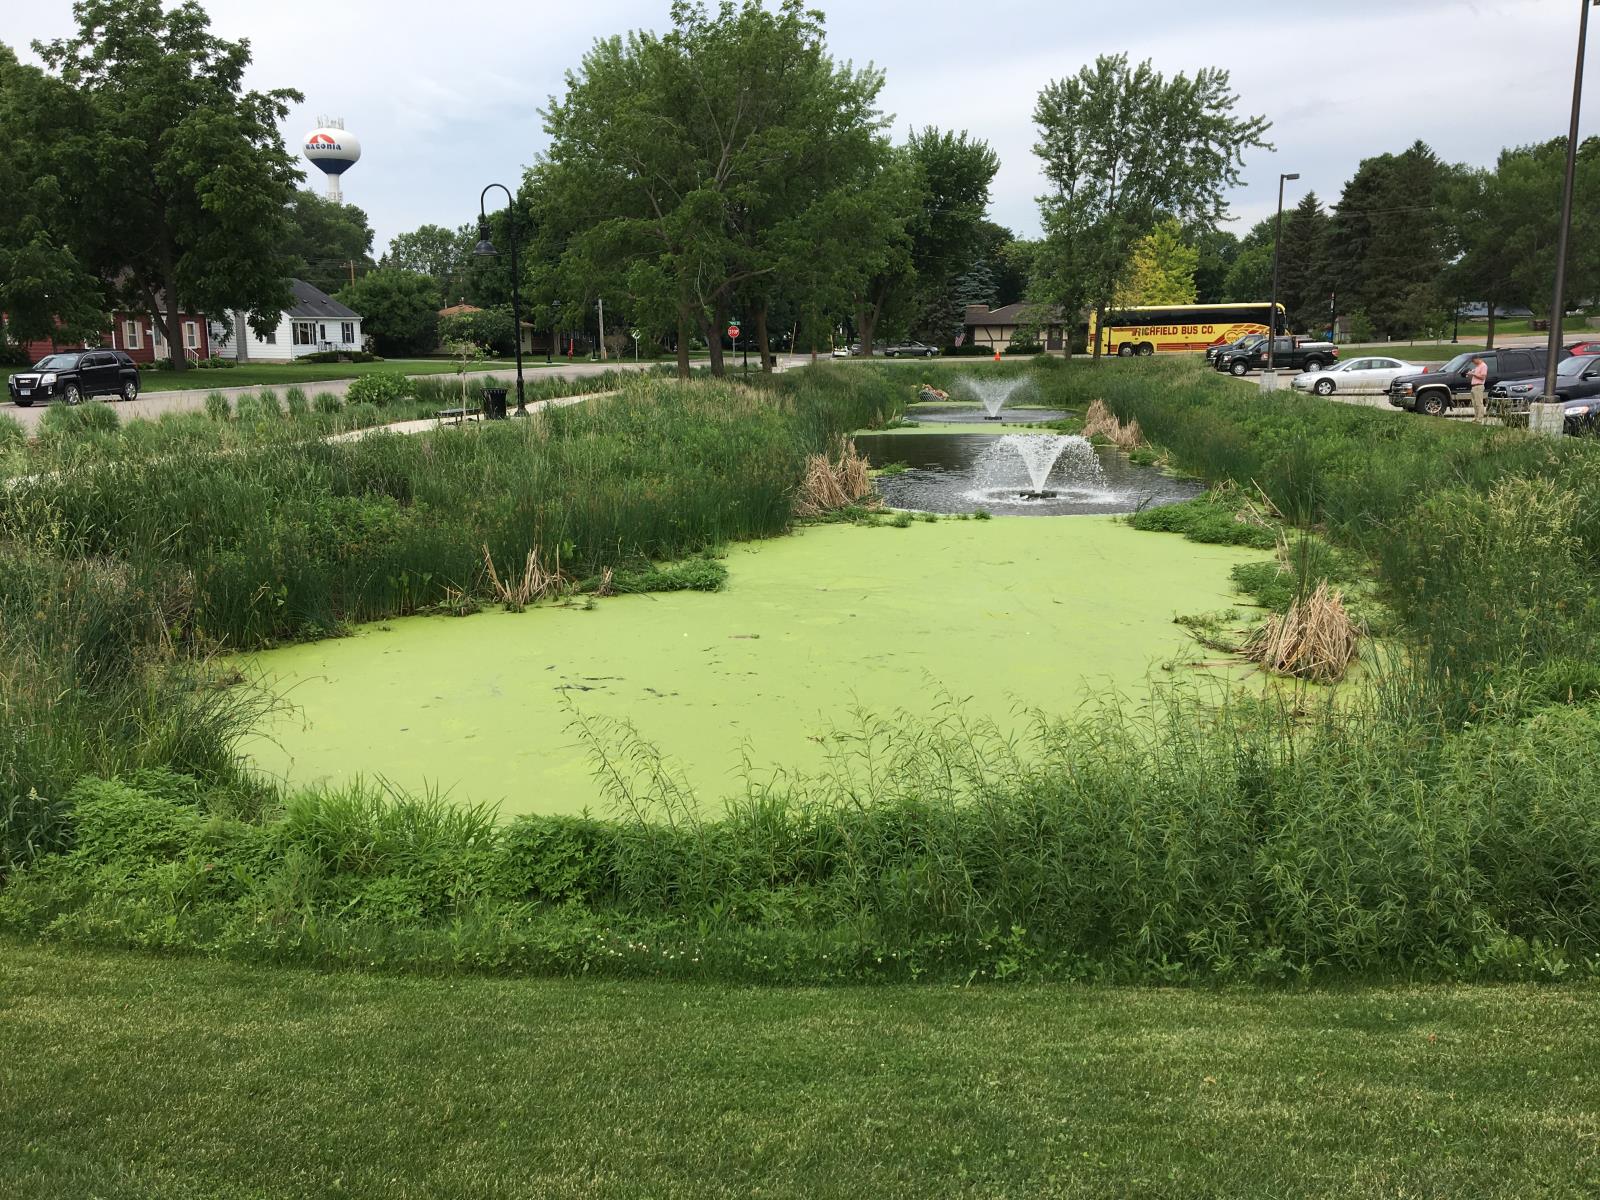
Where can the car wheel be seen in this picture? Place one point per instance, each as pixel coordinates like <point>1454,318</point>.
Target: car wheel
<point>1324,387</point>
<point>1314,364</point>
<point>1239,369</point>
<point>1125,350</point>
<point>72,394</point>
<point>1146,349</point>
<point>1432,402</point>
<point>23,403</point>
<point>130,389</point>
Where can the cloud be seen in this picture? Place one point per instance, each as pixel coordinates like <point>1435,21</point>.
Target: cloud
<point>447,99</point>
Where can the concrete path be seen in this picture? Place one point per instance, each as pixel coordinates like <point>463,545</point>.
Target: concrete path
<point>431,423</point>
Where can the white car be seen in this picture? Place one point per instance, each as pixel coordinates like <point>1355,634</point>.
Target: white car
<point>1356,376</point>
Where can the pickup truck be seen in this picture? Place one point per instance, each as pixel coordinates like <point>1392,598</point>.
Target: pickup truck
<point>1437,392</point>
<point>1292,353</point>
<point>1244,343</point>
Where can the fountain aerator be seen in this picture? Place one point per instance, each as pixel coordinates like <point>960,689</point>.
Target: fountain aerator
<point>1043,495</point>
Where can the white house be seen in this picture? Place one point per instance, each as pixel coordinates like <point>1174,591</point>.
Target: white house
<point>315,323</point>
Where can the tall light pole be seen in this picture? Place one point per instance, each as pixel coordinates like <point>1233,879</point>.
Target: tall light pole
<point>1272,312</point>
<point>1558,306</point>
<point>485,249</point>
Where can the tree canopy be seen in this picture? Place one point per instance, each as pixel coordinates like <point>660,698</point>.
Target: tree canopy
<point>397,308</point>
<point>326,241</point>
<point>180,175</point>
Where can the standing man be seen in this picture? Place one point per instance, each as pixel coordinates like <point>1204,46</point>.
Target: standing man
<point>1479,376</point>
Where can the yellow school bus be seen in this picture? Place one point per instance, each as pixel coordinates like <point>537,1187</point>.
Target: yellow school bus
<point>1179,328</point>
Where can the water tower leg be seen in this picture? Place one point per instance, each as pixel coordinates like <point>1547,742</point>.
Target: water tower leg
<point>334,193</point>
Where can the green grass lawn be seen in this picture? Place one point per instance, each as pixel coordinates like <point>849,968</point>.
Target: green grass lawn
<point>127,1076</point>
<point>285,374</point>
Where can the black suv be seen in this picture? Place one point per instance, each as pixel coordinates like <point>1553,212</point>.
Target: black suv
<point>1438,391</point>
<point>72,375</point>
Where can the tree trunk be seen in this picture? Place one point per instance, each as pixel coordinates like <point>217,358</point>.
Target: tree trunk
<point>866,326</point>
<point>683,343</point>
<point>174,322</point>
<point>713,336</point>
<point>1099,329</point>
<point>761,337</point>
<point>1491,325</point>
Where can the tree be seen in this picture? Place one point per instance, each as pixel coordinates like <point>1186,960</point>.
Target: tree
<point>1250,276</point>
<point>397,309</point>
<point>692,171</point>
<point>326,240</point>
<point>46,291</point>
<point>182,179</point>
<point>942,194</point>
<point>1218,250</point>
<point>444,254</point>
<point>1161,270</point>
<point>1121,147</point>
<point>1388,241</point>
<point>1304,286</point>
<point>491,327</point>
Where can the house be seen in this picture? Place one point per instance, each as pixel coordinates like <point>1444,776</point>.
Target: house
<point>140,336</point>
<point>996,328</point>
<point>531,341</point>
<point>314,323</point>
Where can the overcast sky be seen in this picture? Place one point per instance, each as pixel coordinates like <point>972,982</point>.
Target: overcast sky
<point>444,96</point>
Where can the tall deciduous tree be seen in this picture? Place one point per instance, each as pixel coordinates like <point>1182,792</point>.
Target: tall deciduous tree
<point>46,290</point>
<point>1120,147</point>
<point>328,241</point>
<point>444,254</point>
<point>690,171</point>
<point>184,179</point>
<point>397,309</point>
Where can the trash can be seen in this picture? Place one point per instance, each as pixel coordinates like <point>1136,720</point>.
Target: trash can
<point>494,404</point>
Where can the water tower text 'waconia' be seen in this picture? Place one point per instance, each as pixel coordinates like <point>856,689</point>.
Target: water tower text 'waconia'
<point>333,150</point>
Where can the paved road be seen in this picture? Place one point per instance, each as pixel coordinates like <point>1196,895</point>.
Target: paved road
<point>154,404</point>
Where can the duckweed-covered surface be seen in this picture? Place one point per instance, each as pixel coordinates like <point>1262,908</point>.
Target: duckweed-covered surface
<point>1001,614</point>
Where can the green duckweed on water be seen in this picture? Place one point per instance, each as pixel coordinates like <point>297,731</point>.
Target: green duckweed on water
<point>1002,615</point>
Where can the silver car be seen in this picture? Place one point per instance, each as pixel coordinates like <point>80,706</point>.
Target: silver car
<point>1356,376</point>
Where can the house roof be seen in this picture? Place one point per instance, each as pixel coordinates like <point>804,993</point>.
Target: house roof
<point>1007,314</point>
<point>314,302</point>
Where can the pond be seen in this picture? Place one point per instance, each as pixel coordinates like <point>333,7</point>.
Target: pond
<point>974,414</point>
<point>1029,475</point>
<point>1004,614</point>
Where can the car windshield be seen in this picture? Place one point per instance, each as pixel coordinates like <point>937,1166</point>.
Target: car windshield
<point>1459,363</point>
<point>57,362</point>
<point>1575,366</point>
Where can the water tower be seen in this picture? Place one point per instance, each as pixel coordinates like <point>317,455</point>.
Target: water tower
<point>333,151</point>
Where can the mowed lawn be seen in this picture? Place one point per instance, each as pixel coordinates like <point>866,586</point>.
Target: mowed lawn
<point>288,374</point>
<point>129,1076</point>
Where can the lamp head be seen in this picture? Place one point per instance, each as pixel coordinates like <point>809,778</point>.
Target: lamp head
<point>484,248</point>
<point>1289,177</point>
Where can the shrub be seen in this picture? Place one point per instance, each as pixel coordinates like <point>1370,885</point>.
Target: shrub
<point>361,415</point>
<point>11,432</point>
<point>380,388</point>
<point>327,402</point>
<point>298,406</point>
<point>217,407</point>
<point>74,420</point>
<point>339,356</point>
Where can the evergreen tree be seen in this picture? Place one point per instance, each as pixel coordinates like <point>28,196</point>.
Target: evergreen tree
<point>1303,284</point>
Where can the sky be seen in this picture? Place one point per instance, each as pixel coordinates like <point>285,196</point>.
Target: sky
<point>445,97</point>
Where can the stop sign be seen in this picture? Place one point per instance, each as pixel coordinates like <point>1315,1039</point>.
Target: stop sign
<point>733,330</point>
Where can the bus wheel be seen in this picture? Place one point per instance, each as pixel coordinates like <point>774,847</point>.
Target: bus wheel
<point>1146,349</point>
<point>1125,350</point>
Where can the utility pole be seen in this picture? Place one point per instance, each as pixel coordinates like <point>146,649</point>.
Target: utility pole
<point>1272,312</point>
<point>601,304</point>
<point>1558,306</point>
<point>351,263</point>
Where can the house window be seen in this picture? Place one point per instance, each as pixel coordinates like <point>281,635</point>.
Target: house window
<point>132,335</point>
<point>269,338</point>
<point>157,339</point>
<point>304,333</point>
<point>322,332</point>
<point>347,332</point>
<point>191,335</point>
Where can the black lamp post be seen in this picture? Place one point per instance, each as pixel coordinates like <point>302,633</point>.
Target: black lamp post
<point>1559,306</point>
<point>1272,313</point>
<point>485,249</point>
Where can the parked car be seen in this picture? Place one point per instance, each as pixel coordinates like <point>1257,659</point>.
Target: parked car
<point>1440,390</point>
<point>1577,378</point>
<point>909,349</point>
<point>1359,376</point>
<point>1587,347</point>
<point>846,351</point>
<point>73,375</point>
<point>1296,353</point>
<point>1248,342</point>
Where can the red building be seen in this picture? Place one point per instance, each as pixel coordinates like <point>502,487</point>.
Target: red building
<point>140,337</point>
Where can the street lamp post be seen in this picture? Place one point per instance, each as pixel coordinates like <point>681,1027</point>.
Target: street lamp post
<point>1272,312</point>
<point>1559,305</point>
<point>485,249</point>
